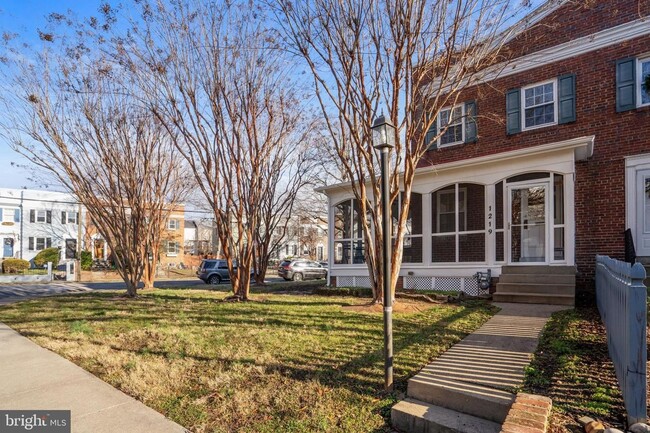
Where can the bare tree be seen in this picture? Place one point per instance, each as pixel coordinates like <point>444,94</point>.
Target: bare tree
<point>214,75</point>
<point>74,116</point>
<point>410,58</point>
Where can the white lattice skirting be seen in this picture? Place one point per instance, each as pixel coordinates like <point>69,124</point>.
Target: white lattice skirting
<point>468,285</point>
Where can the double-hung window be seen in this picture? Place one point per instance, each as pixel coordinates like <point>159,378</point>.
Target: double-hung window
<point>68,217</point>
<point>173,224</point>
<point>172,248</point>
<point>452,126</point>
<point>540,107</point>
<point>41,216</point>
<point>451,122</point>
<point>552,102</point>
<point>38,244</point>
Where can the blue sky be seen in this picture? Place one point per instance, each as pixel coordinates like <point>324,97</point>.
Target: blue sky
<point>25,17</point>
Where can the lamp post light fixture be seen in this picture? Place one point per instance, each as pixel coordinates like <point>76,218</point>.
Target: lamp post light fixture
<point>383,139</point>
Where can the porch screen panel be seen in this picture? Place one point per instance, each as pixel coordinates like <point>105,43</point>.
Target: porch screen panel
<point>348,233</point>
<point>498,223</point>
<point>412,248</point>
<point>443,225</point>
<point>458,224</point>
<point>443,249</point>
<point>471,222</point>
<point>558,217</point>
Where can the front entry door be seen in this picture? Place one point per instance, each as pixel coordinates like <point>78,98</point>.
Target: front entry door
<point>642,241</point>
<point>528,224</point>
<point>8,247</point>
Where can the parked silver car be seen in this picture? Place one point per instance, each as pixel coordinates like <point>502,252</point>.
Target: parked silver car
<point>301,269</point>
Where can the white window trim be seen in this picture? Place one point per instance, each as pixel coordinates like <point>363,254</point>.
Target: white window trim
<point>176,224</point>
<point>69,214</point>
<point>522,97</point>
<point>176,248</point>
<point>639,82</point>
<point>462,125</point>
<point>37,217</point>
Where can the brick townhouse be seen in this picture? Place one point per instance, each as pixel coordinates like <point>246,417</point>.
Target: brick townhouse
<point>172,240</point>
<point>545,163</point>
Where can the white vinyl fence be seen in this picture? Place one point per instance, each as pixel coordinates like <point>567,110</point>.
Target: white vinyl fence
<point>621,298</point>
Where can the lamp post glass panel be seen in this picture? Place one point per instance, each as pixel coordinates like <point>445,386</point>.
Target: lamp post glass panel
<point>383,139</point>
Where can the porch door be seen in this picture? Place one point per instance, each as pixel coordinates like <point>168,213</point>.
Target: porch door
<point>528,223</point>
<point>642,241</point>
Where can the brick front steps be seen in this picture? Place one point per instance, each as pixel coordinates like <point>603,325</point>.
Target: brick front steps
<point>528,414</point>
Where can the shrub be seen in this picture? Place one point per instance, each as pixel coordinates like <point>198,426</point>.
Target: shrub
<point>12,266</point>
<point>86,260</point>
<point>358,292</point>
<point>47,255</point>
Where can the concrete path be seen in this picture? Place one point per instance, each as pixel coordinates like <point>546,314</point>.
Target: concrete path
<point>35,378</point>
<point>474,379</point>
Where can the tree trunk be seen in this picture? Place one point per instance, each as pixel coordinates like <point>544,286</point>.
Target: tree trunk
<point>131,289</point>
<point>149,274</point>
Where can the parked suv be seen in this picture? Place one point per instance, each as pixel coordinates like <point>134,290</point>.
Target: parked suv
<point>213,271</point>
<point>301,269</point>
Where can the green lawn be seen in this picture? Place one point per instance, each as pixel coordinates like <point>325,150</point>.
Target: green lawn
<point>283,363</point>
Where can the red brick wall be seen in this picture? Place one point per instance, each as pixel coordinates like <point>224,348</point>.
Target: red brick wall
<point>577,19</point>
<point>599,183</point>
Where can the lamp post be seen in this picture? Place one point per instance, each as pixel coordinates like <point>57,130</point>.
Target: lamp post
<point>383,139</point>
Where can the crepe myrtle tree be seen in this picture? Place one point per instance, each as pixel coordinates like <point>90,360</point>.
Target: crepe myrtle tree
<point>409,59</point>
<point>214,74</point>
<point>74,117</point>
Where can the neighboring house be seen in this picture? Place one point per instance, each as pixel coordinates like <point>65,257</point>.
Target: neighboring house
<point>306,236</point>
<point>171,252</point>
<point>545,164</point>
<point>201,238</point>
<point>32,220</point>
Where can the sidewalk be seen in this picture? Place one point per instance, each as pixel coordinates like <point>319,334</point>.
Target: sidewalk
<point>35,378</point>
<point>471,384</point>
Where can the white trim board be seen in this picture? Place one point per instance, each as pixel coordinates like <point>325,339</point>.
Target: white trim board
<point>633,164</point>
<point>583,148</point>
<point>576,47</point>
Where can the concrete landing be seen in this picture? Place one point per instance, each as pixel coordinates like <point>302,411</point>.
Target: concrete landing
<point>33,378</point>
<point>474,377</point>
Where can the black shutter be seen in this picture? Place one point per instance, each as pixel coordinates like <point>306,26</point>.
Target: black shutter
<point>48,218</point>
<point>31,243</point>
<point>625,84</point>
<point>78,222</point>
<point>513,111</point>
<point>566,98</point>
<point>430,140</point>
<point>471,133</point>
<point>32,215</point>
<point>62,217</point>
<point>48,242</point>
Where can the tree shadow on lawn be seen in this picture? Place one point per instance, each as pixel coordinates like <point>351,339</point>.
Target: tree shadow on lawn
<point>356,374</point>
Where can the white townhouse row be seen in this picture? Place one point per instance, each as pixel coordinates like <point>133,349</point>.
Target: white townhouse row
<point>32,220</point>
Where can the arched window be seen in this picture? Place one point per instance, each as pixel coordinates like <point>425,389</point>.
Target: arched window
<point>458,224</point>
<point>348,233</point>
